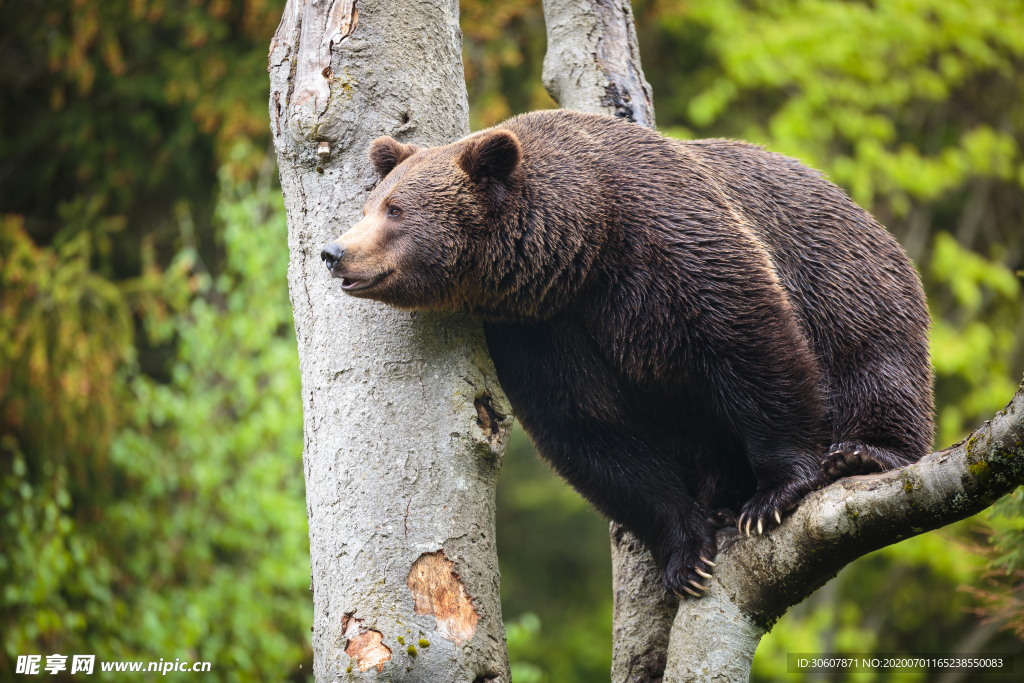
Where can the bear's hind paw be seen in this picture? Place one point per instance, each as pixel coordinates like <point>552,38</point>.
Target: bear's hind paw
<point>851,458</point>
<point>721,518</point>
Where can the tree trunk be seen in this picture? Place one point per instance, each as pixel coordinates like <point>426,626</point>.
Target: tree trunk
<point>642,612</point>
<point>593,59</point>
<point>593,65</point>
<point>405,424</point>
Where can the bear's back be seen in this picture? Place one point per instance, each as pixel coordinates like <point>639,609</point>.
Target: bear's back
<point>857,294</point>
<point>835,261</point>
<point>852,287</point>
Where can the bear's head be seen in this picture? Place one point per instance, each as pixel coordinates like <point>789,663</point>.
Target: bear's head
<point>425,227</point>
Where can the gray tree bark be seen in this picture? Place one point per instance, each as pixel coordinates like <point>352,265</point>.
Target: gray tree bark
<point>593,59</point>
<point>405,424</point>
<point>593,65</point>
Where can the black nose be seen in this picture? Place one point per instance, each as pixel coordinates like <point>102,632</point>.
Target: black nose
<point>331,254</point>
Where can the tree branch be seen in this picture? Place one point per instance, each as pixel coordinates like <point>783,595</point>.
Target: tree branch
<point>759,578</point>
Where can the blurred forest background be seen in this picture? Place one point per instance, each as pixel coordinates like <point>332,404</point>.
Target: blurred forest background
<point>151,494</point>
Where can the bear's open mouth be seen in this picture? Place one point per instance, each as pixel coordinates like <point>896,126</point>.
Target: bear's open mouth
<point>351,284</point>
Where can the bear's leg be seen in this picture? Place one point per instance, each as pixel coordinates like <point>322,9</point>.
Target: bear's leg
<point>673,526</point>
<point>601,436</point>
<point>632,478</point>
<point>631,482</point>
<point>881,405</point>
<point>763,378</point>
<point>851,458</point>
<point>778,412</point>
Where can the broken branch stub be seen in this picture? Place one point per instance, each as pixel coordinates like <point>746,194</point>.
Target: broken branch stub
<point>399,459</point>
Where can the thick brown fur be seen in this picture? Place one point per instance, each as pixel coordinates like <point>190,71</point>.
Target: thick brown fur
<point>684,329</point>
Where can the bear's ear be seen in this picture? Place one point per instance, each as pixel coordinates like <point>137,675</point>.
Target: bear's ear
<point>386,153</point>
<point>492,156</point>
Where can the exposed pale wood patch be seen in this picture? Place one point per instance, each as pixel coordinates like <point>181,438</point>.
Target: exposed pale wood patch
<point>438,590</point>
<point>364,646</point>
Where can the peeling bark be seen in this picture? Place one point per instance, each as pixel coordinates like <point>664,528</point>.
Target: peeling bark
<point>364,646</point>
<point>437,590</point>
<point>405,423</point>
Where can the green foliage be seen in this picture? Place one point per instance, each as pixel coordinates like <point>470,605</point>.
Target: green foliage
<point>863,89</point>
<point>113,110</point>
<point>523,639</point>
<point>977,329</point>
<point>216,516</point>
<point>64,332</point>
<point>145,517</point>
<point>193,542</point>
<point>502,52</point>
<point>555,562</point>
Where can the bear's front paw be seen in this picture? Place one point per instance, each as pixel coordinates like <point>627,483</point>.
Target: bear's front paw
<point>765,509</point>
<point>688,565</point>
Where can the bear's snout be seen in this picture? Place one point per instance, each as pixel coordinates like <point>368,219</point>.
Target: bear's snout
<point>332,255</point>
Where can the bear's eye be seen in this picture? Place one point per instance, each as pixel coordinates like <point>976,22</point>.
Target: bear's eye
<point>394,212</point>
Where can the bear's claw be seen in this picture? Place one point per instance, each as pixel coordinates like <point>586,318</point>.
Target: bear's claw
<point>688,567</point>
<point>688,584</point>
<point>761,522</point>
<point>765,509</point>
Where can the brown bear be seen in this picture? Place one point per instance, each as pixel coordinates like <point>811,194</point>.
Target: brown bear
<point>683,328</point>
